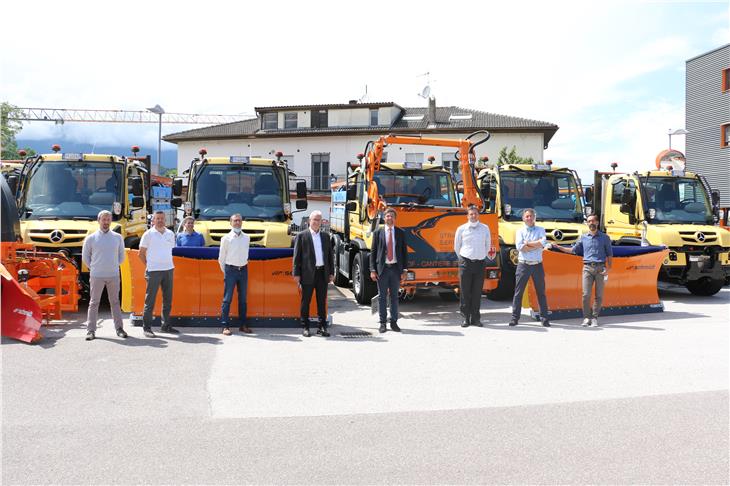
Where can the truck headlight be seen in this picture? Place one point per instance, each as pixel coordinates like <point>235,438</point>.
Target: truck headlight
<point>673,256</point>
<point>492,274</point>
<point>411,276</point>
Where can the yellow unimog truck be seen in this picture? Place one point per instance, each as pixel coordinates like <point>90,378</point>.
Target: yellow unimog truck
<point>60,195</point>
<point>671,207</point>
<point>257,188</point>
<point>555,194</point>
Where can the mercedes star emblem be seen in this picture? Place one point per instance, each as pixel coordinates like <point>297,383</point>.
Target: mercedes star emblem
<point>558,234</point>
<point>700,236</point>
<point>56,236</point>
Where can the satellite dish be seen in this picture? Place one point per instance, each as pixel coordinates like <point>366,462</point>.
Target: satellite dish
<point>426,92</point>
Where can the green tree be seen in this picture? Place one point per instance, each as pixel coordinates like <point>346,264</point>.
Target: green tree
<point>511,157</point>
<point>171,173</point>
<point>10,128</point>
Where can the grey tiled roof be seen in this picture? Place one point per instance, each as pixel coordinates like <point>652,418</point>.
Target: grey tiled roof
<point>374,104</point>
<point>480,120</point>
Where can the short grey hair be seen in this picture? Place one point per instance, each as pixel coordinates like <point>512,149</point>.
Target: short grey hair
<point>159,212</point>
<point>314,213</point>
<point>103,212</point>
<point>188,218</point>
<point>529,210</point>
<point>234,215</point>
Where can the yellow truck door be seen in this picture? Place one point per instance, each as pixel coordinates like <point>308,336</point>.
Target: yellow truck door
<point>619,216</point>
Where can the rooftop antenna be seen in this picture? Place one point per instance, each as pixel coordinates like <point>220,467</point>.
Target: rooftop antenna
<point>364,97</point>
<point>426,91</point>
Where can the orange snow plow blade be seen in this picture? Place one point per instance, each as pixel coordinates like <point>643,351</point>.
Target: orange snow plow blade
<point>21,314</point>
<point>272,295</point>
<point>631,287</point>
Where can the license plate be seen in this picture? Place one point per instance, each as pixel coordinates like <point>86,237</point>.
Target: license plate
<point>694,258</point>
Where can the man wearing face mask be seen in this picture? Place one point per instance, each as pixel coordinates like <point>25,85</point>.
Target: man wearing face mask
<point>595,248</point>
<point>472,242</point>
<point>233,260</point>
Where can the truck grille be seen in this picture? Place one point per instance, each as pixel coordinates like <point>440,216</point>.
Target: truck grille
<point>254,235</point>
<point>63,237</point>
<point>701,237</point>
<point>560,235</point>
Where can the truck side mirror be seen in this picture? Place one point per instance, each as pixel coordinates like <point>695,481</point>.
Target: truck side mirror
<point>486,192</point>
<point>137,202</point>
<point>588,195</point>
<point>176,202</point>
<point>301,204</point>
<point>352,192</point>
<point>715,196</point>
<point>626,197</point>
<point>135,183</point>
<point>177,185</point>
<point>301,190</point>
<point>351,206</point>
<point>460,187</point>
<point>13,183</point>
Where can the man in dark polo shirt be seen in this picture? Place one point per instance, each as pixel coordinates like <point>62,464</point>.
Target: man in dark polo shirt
<point>595,248</point>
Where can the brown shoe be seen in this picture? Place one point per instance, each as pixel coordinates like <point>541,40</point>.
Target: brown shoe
<point>226,331</point>
<point>245,329</point>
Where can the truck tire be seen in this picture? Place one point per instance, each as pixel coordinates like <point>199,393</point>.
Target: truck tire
<point>705,286</point>
<point>340,280</point>
<point>362,286</point>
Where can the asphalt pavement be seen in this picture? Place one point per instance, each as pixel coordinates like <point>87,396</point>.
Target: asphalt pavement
<point>641,399</point>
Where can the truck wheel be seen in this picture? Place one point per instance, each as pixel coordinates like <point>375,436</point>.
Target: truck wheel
<point>362,286</point>
<point>705,286</point>
<point>340,280</point>
<point>449,296</point>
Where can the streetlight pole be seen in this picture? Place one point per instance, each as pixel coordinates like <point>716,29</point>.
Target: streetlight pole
<point>157,109</point>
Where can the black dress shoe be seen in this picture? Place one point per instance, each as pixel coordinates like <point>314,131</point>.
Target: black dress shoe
<point>546,323</point>
<point>394,326</point>
<point>169,330</point>
<point>382,328</point>
<point>322,331</point>
<point>148,333</point>
<point>305,332</point>
<point>477,323</point>
<point>121,333</point>
<point>465,323</point>
<point>90,336</point>
<point>513,322</point>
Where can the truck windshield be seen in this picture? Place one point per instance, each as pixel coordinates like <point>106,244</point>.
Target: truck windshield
<point>677,200</point>
<point>66,190</point>
<point>416,187</point>
<point>553,195</point>
<point>256,192</point>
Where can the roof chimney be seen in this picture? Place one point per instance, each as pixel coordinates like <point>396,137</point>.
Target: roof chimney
<point>352,102</point>
<point>432,110</point>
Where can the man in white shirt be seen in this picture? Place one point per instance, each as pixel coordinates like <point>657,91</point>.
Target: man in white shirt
<point>472,243</point>
<point>388,267</point>
<point>233,259</point>
<point>103,252</point>
<point>155,251</point>
<point>530,242</point>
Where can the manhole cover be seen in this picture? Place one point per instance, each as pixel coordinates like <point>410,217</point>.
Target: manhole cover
<point>355,334</point>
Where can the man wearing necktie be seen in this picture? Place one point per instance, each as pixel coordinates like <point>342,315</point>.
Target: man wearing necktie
<point>388,266</point>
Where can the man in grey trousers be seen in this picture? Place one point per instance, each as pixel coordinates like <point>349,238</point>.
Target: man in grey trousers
<point>155,251</point>
<point>103,252</point>
<point>530,243</point>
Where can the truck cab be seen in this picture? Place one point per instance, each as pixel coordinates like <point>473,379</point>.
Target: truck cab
<point>671,208</point>
<point>257,188</point>
<point>60,195</point>
<point>554,193</point>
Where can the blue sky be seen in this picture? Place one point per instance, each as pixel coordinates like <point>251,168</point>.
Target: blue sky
<point>610,74</point>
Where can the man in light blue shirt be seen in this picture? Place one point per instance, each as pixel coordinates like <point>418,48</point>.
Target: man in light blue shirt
<point>530,243</point>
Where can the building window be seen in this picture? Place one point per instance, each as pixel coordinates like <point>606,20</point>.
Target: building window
<point>725,142</point>
<point>319,119</point>
<point>271,121</point>
<point>726,79</point>
<point>417,157</point>
<point>320,172</point>
<point>374,118</point>
<point>448,160</point>
<point>290,120</point>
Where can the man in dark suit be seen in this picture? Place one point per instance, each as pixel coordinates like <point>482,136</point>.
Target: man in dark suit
<point>388,266</point>
<point>313,270</point>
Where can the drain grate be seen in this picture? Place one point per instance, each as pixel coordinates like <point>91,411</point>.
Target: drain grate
<point>355,334</point>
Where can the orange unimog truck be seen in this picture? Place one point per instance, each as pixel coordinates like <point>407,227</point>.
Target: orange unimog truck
<point>429,209</point>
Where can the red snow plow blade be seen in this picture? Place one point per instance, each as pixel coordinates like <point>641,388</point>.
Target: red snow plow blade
<point>21,314</point>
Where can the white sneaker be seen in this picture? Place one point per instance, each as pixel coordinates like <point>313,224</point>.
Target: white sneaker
<point>586,322</point>
<point>594,322</point>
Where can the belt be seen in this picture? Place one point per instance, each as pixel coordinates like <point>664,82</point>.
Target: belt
<point>321,267</point>
<point>391,265</point>
<point>236,266</point>
<point>470,260</point>
<point>593,264</point>
<point>530,263</point>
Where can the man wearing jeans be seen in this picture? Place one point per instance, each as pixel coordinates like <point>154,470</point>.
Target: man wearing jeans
<point>233,259</point>
<point>530,243</point>
<point>103,252</point>
<point>155,251</point>
<point>595,247</point>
